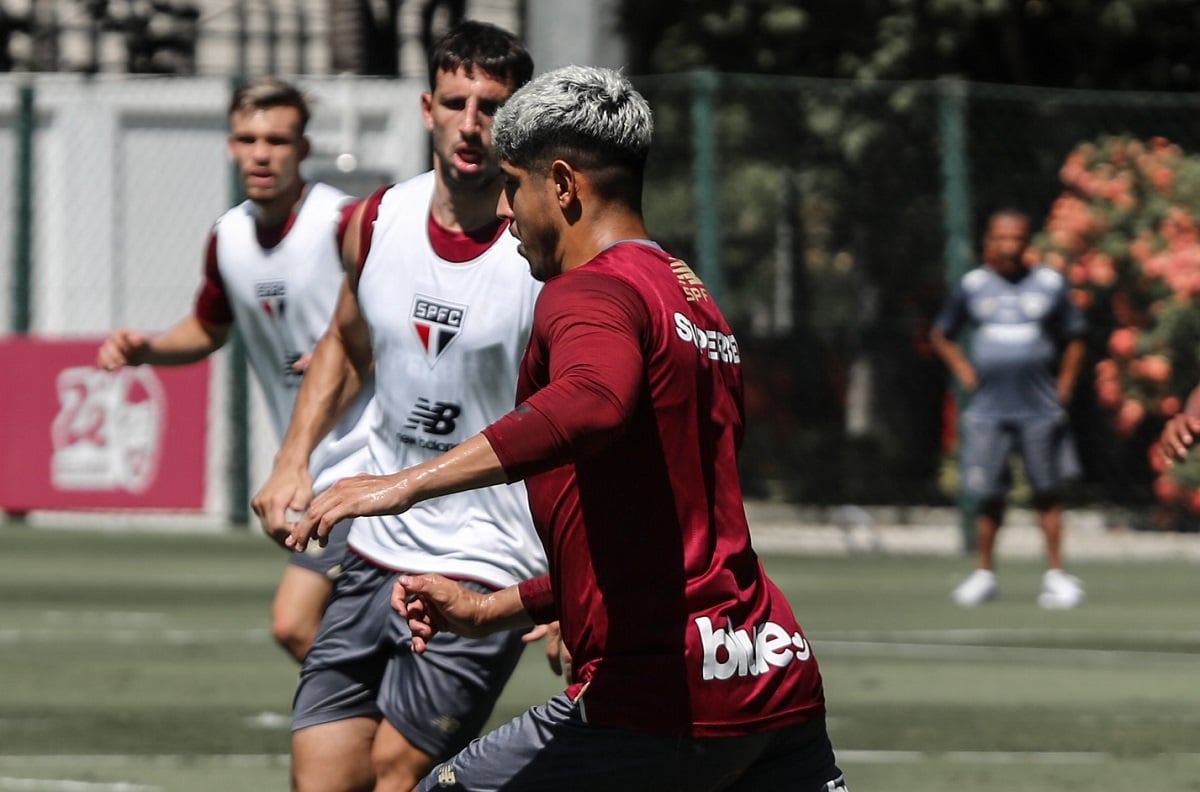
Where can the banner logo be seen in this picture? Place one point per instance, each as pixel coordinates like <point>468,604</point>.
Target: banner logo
<point>108,432</point>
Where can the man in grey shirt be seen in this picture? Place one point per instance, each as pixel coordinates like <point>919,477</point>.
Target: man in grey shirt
<point>1025,355</point>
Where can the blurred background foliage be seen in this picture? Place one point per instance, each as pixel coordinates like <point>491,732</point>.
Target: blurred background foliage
<point>1125,232</point>
<point>1092,44</point>
<point>833,235</point>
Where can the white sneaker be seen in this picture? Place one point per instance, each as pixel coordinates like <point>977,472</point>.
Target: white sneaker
<point>1060,591</point>
<point>976,589</point>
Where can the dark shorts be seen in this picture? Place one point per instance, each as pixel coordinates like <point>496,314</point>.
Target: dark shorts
<point>1045,444</point>
<point>362,665</point>
<point>325,560</point>
<point>551,749</point>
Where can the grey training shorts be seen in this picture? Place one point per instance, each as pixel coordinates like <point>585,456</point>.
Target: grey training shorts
<point>362,665</point>
<point>1045,444</point>
<point>551,749</point>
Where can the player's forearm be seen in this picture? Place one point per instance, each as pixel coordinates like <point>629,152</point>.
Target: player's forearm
<point>469,465</point>
<point>352,387</point>
<point>189,341</point>
<point>503,610</point>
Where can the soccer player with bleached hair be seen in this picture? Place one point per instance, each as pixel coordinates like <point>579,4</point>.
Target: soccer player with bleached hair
<point>690,670</point>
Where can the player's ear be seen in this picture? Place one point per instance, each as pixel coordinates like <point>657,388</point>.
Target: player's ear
<point>305,148</point>
<point>427,110</point>
<point>566,182</point>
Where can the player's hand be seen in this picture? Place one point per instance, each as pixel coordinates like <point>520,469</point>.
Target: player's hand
<point>433,604</point>
<point>359,496</point>
<point>301,364</point>
<point>285,494</point>
<point>1177,437</point>
<point>122,348</point>
<point>556,652</point>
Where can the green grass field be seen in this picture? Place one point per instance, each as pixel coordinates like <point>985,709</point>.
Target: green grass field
<point>142,662</point>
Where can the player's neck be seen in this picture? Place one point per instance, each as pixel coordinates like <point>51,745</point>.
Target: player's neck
<point>277,213</point>
<point>585,240</point>
<point>465,208</point>
<point>1013,271</point>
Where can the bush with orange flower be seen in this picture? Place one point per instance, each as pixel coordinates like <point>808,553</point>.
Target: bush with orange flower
<point>1126,233</point>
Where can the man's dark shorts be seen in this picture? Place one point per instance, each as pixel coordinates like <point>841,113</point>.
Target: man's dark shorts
<point>1045,444</point>
<point>362,665</point>
<point>552,749</point>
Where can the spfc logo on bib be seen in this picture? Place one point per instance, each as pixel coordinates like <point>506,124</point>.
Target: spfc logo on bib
<point>437,323</point>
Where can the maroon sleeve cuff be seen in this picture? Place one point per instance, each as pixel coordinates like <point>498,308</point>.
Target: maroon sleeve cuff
<point>525,442</point>
<point>367,225</point>
<point>537,595</point>
<point>212,302</point>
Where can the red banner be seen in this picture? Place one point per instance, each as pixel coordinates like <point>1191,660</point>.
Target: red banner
<point>75,437</point>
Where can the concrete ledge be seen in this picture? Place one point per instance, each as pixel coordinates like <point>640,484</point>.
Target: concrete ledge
<point>1090,534</point>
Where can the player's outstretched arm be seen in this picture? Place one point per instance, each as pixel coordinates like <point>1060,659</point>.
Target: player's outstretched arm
<point>188,341</point>
<point>469,465</point>
<point>1181,431</point>
<point>433,604</point>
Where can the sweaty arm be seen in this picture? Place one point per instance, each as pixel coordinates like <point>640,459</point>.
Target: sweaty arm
<point>433,604</point>
<point>593,325</point>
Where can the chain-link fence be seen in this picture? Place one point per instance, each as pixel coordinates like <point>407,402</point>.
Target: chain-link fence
<point>126,177</point>
<point>828,217</point>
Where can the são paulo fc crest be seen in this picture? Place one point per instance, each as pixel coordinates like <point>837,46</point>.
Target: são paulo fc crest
<point>272,299</point>
<point>437,323</point>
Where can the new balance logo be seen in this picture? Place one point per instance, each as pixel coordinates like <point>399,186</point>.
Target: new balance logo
<point>436,323</point>
<point>445,776</point>
<point>748,652</point>
<point>272,298</point>
<point>435,418</point>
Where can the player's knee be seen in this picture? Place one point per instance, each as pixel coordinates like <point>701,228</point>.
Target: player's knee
<point>992,506</point>
<point>1046,500</point>
<point>295,634</point>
